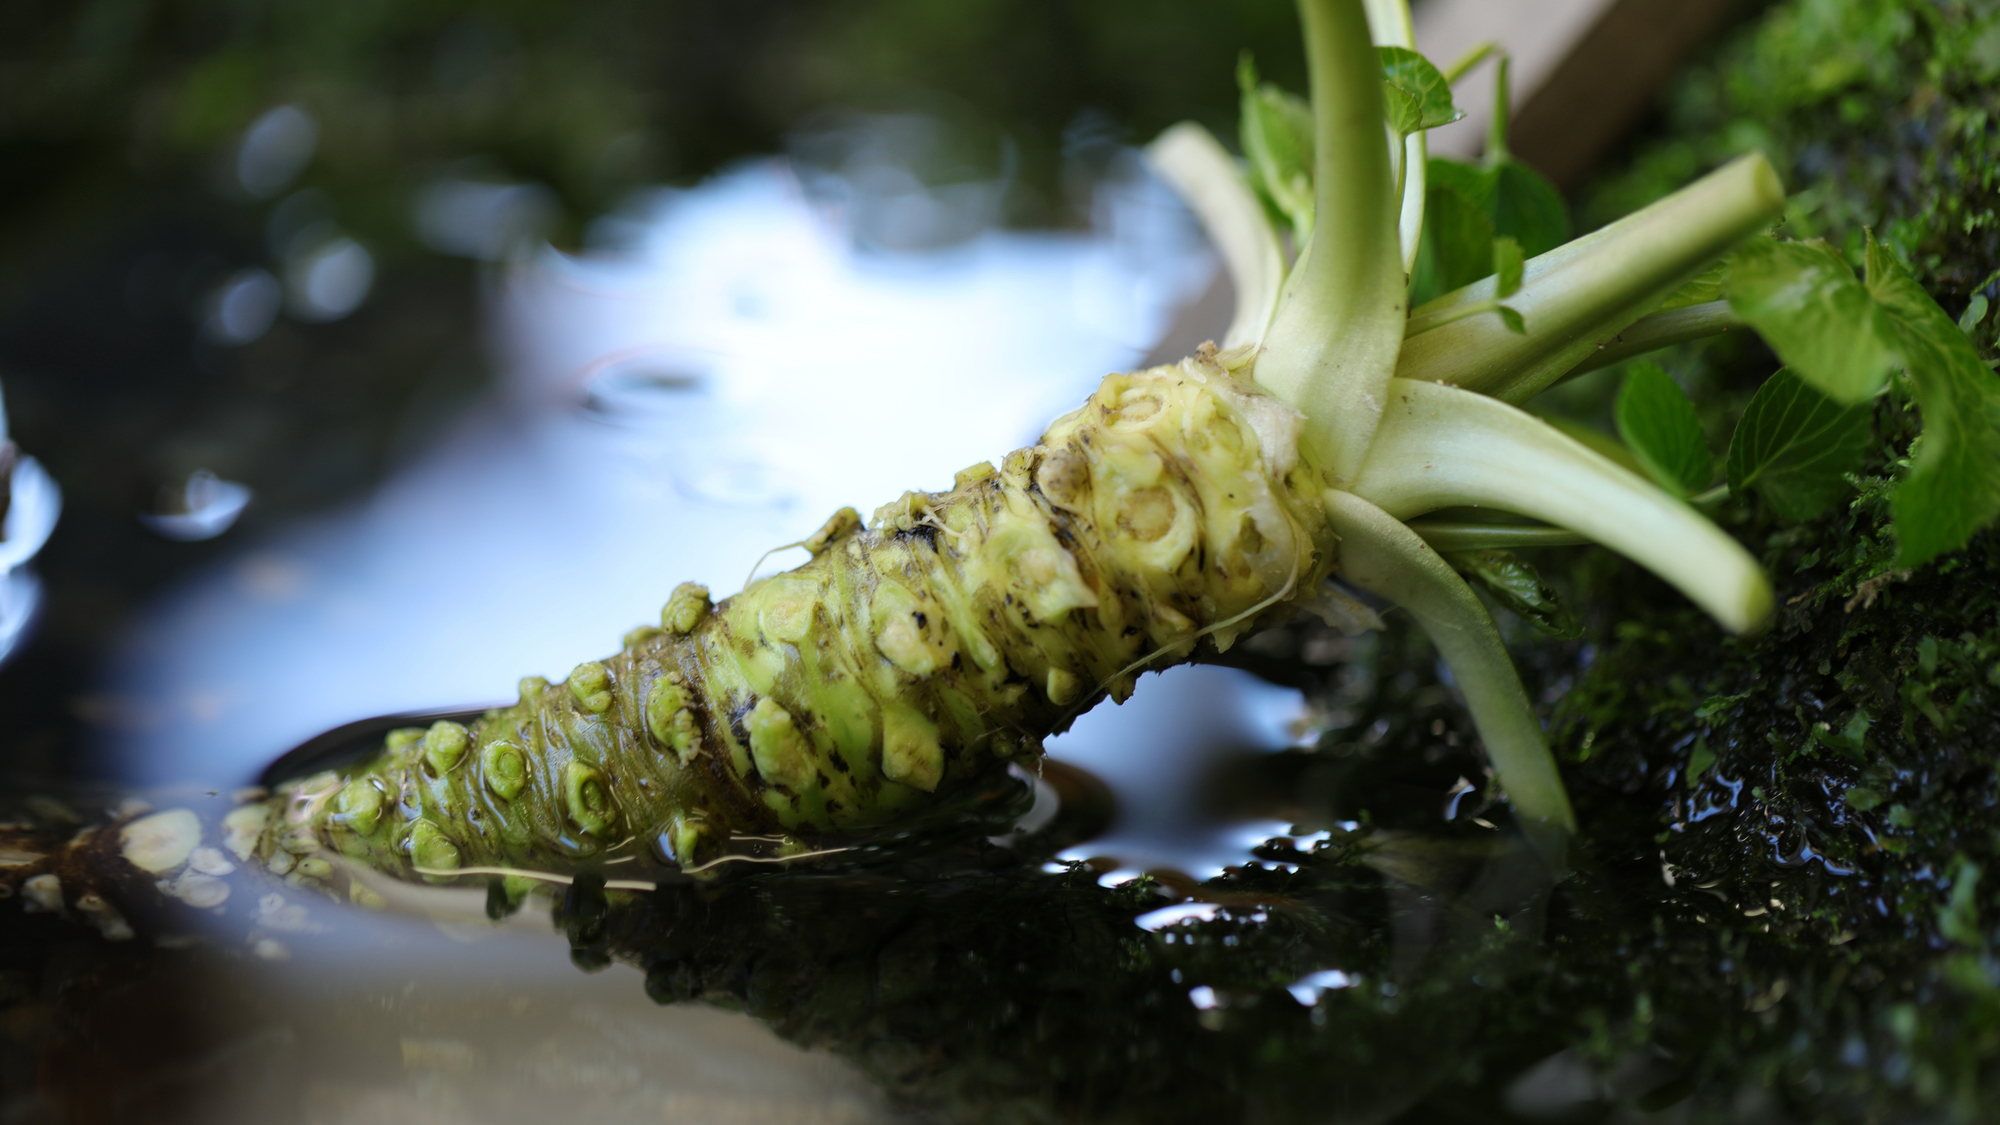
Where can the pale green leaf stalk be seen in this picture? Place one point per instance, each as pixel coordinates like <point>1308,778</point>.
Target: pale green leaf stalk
<point>1453,536</point>
<point>1332,346</point>
<point>1190,159</point>
<point>1389,26</point>
<point>1381,555</point>
<point>1441,447</point>
<point>1664,329</point>
<point>1576,295</point>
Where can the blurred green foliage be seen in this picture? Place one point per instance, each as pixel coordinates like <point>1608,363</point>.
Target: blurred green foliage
<point>1880,113</point>
<point>107,98</point>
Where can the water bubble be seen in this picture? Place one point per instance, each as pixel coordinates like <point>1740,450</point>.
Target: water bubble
<point>243,308</point>
<point>33,504</point>
<point>329,281</point>
<point>1156,920</point>
<point>208,507</point>
<point>1308,989</point>
<point>275,150</point>
<point>487,221</point>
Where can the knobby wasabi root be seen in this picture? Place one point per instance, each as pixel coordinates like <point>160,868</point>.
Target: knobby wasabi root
<point>910,660</point>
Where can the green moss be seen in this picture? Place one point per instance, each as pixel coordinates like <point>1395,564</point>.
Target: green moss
<point>1803,815</point>
<point>1882,114</point>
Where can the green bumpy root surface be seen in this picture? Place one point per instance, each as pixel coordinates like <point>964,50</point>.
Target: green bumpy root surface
<point>908,660</point>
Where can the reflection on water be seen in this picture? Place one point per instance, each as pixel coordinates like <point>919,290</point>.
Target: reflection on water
<point>951,975</point>
<point>30,502</point>
<point>206,507</point>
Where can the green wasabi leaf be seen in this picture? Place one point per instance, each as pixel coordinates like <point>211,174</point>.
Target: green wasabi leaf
<point>1512,320</point>
<point>1656,419</point>
<point>1699,761</point>
<point>1806,303</point>
<point>1470,180</point>
<point>1953,488</point>
<point>1402,110</point>
<point>1975,311</point>
<point>1526,206</point>
<point>1508,262</point>
<point>1416,94</point>
<point>1518,587</point>
<point>1457,247</point>
<point>1958,919</point>
<point>1700,289</point>
<point>1277,136</point>
<point>1795,447</point>
<point>1466,207</point>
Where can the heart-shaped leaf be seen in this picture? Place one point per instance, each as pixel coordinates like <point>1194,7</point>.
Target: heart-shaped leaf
<point>1795,446</point>
<point>1808,305</point>
<point>1953,488</point>
<point>1519,587</point>
<point>1508,264</point>
<point>1656,419</point>
<point>1416,93</point>
<point>1277,136</point>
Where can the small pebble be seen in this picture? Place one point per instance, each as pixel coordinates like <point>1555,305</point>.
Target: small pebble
<point>200,891</point>
<point>209,861</point>
<point>42,895</point>
<point>161,842</point>
<point>104,917</point>
<point>274,913</point>
<point>242,827</point>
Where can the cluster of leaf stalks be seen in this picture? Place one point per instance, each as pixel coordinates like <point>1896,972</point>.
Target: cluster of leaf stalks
<point>1674,272</point>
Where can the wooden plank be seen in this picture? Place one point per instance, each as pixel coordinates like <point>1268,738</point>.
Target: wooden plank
<point>1583,70</point>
